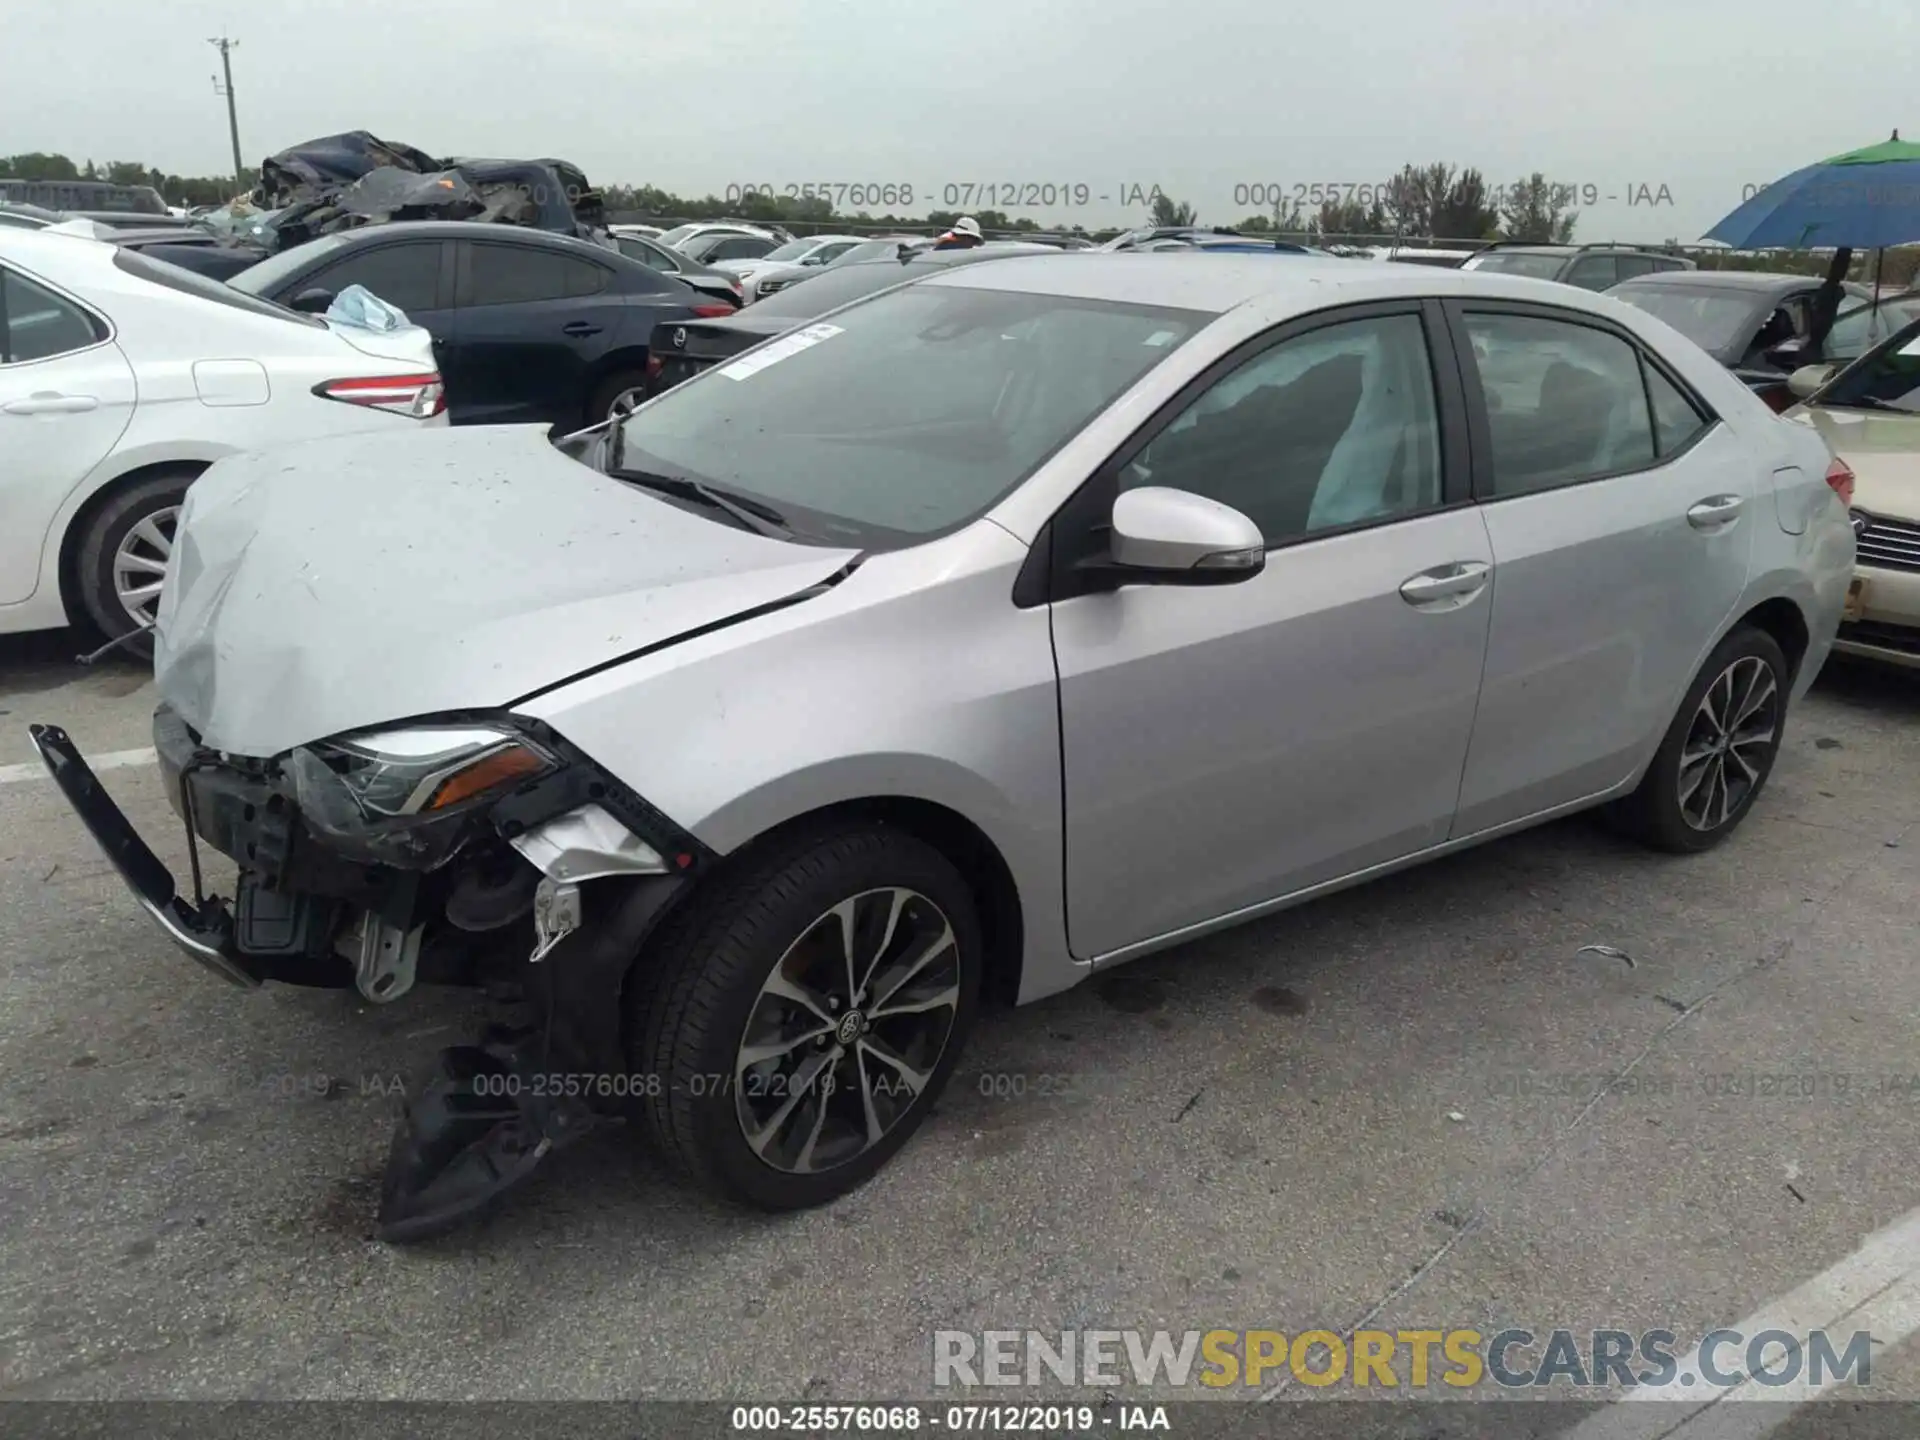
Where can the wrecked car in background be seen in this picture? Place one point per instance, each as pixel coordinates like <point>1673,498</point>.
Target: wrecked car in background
<point>340,182</point>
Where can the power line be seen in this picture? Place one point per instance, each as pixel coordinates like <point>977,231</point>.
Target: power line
<point>225,47</point>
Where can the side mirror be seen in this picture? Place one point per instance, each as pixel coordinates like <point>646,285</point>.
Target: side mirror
<point>313,302</point>
<point>1809,378</point>
<point>1787,354</point>
<point>1174,537</point>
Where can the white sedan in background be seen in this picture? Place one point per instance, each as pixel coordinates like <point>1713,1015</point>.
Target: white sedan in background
<point>796,257</point>
<point>122,378</point>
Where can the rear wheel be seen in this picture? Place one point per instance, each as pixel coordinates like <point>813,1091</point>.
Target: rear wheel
<point>1719,750</point>
<point>802,1017</point>
<point>124,553</point>
<point>617,396</point>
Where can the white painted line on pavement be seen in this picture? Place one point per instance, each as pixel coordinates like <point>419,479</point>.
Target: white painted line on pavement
<point>1876,1289</point>
<point>112,760</point>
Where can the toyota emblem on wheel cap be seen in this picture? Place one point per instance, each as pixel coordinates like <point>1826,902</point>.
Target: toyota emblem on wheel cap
<point>680,338</point>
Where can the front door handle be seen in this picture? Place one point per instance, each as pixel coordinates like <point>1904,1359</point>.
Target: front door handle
<point>1716,511</point>
<point>579,328</point>
<point>1446,587</point>
<point>48,402</point>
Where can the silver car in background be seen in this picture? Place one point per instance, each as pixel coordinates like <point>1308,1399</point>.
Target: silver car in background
<point>979,636</point>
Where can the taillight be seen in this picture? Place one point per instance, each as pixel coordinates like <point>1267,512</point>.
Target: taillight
<point>1779,398</point>
<point>1840,479</point>
<point>709,312</point>
<point>419,396</point>
<point>654,366</point>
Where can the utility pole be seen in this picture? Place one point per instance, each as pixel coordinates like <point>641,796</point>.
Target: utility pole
<point>225,47</point>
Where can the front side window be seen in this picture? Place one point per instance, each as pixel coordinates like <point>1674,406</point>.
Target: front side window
<point>36,324</point>
<point>1565,402</point>
<point>407,276</point>
<point>1594,272</point>
<point>1335,427</point>
<point>906,416</point>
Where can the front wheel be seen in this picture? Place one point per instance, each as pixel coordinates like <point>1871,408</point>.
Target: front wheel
<point>797,1022</point>
<point>1719,750</point>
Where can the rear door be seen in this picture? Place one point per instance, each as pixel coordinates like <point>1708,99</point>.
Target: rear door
<point>66,395</point>
<point>1621,514</point>
<point>530,323</point>
<point>1227,745</point>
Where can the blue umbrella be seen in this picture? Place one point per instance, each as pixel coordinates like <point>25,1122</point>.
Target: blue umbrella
<point>1863,200</point>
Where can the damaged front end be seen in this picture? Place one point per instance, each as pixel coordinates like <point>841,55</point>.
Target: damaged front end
<point>456,850</point>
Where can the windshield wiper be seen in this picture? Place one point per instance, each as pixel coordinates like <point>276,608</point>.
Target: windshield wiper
<point>752,515</point>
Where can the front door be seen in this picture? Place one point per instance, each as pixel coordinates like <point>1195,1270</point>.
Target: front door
<point>66,395</point>
<point>1622,519</point>
<point>1225,746</point>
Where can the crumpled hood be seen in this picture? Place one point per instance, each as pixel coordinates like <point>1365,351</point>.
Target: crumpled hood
<point>345,583</point>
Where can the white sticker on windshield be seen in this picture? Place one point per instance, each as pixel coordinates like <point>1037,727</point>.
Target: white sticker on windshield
<point>1159,337</point>
<point>781,349</point>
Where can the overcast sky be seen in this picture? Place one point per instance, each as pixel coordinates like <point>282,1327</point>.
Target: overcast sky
<point>1700,97</point>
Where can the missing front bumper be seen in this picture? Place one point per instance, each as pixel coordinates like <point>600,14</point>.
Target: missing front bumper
<point>201,927</point>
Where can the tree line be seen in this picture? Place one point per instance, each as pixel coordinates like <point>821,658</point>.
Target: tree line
<point>1434,201</point>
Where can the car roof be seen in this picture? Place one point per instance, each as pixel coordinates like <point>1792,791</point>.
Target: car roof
<point>1229,280</point>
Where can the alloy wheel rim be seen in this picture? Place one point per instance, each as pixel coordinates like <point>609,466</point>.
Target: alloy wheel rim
<point>141,561</point>
<point>847,1031</point>
<point>1734,730</point>
<point>624,404</point>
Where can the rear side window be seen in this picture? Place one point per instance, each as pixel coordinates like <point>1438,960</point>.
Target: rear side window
<point>404,275</point>
<point>646,254</point>
<point>519,275</point>
<point>1675,420</point>
<point>1565,402</point>
<point>1630,266</point>
<point>36,324</point>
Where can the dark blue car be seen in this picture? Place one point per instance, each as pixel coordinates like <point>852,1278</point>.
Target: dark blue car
<point>528,326</point>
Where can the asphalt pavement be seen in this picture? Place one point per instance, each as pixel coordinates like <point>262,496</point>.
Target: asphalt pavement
<point>1423,1103</point>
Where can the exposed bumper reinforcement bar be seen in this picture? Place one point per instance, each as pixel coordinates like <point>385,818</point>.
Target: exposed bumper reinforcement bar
<point>203,929</point>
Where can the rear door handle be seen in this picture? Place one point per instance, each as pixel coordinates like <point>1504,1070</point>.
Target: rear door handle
<point>580,328</point>
<point>1446,587</point>
<point>1715,512</point>
<point>47,402</point>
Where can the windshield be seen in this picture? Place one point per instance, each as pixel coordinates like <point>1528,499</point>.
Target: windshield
<point>792,250</point>
<point>1535,267</point>
<point>906,416</point>
<point>838,287</point>
<point>1712,319</point>
<point>870,250</point>
<point>1887,379</point>
<point>269,274</point>
<point>173,277</point>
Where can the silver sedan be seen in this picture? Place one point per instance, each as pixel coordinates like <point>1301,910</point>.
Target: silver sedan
<point>974,638</point>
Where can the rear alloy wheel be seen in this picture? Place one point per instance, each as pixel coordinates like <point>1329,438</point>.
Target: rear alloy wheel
<point>124,552</point>
<point>804,1014</point>
<point>618,396</point>
<point>1718,752</point>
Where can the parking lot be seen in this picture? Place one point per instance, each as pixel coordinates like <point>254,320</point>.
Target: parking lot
<point>1386,1108</point>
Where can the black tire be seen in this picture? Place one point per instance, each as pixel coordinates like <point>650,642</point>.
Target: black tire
<point>1653,813</point>
<point>111,524</point>
<point>697,985</point>
<point>600,407</point>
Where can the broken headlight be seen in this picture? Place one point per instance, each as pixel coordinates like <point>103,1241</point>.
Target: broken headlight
<point>402,796</point>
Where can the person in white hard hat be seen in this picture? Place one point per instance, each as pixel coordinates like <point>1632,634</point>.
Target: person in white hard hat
<point>964,235</point>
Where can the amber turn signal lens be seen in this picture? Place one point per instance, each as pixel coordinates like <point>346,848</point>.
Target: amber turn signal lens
<point>489,772</point>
